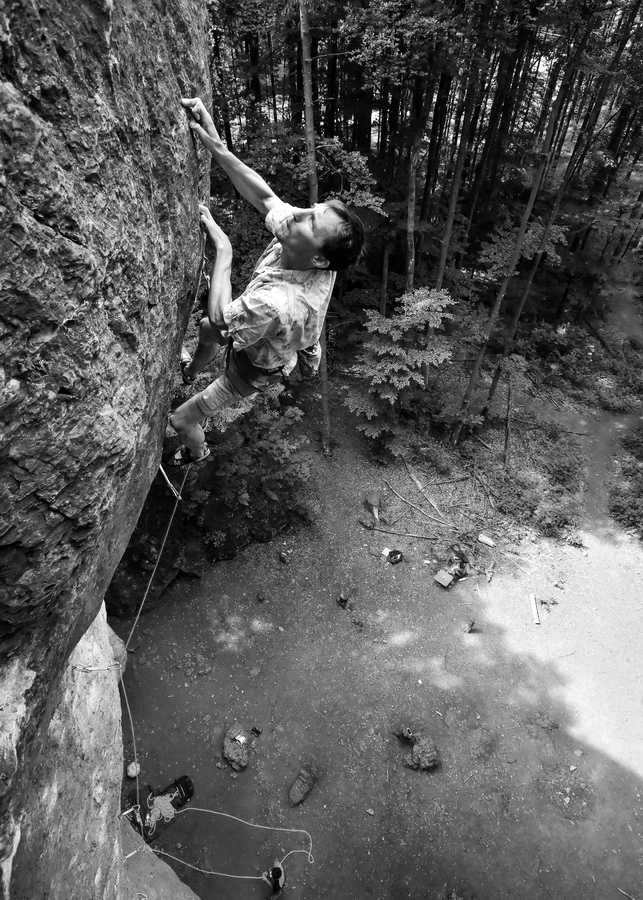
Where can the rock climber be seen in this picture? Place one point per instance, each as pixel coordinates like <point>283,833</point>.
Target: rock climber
<point>281,312</point>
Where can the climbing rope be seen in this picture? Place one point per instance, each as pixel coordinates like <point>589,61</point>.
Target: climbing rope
<point>158,559</point>
<point>212,812</point>
<point>160,808</point>
<point>131,725</point>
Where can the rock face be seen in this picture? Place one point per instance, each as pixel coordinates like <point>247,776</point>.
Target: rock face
<point>81,747</point>
<point>100,178</point>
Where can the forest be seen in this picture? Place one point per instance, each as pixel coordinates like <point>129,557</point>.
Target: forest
<point>492,149</point>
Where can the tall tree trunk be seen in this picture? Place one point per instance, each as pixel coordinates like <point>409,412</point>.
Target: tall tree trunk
<point>522,230</point>
<point>332,86</point>
<point>314,78</point>
<point>622,39</point>
<point>254,83</point>
<point>435,143</point>
<point>634,238</point>
<point>457,178</point>
<point>295,82</point>
<point>383,138</point>
<point>394,117</point>
<point>313,193</point>
<point>222,93</point>
<point>414,161</point>
<point>313,188</point>
<point>362,120</point>
<point>273,89</point>
<point>386,253</point>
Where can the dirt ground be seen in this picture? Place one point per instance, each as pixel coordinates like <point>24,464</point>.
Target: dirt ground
<point>539,728</point>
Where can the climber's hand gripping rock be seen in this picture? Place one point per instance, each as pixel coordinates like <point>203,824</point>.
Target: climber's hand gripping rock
<point>201,121</point>
<point>216,234</point>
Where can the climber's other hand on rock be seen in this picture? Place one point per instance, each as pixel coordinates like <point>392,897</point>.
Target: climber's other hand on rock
<point>217,235</point>
<point>201,122</point>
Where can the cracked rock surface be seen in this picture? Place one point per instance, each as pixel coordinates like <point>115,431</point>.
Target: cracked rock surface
<point>100,181</point>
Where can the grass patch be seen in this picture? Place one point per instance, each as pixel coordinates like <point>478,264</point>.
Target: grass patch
<point>626,492</point>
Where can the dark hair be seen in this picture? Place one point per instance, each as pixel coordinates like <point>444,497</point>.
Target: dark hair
<point>344,248</point>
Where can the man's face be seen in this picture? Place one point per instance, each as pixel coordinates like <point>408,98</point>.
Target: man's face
<point>305,232</point>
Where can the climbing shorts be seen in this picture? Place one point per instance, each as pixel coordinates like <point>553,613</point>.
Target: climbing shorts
<point>218,395</point>
<point>234,385</point>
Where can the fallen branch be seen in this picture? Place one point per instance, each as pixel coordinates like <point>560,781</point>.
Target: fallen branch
<point>463,513</point>
<point>624,894</point>
<point>484,487</point>
<point>401,516</point>
<point>421,489</point>
<point>448,481</point>
<point>419,508</point>
<point>423,537</point>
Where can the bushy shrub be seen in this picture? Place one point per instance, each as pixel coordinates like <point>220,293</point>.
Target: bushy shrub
<point>388,385</point>
<point>626,493</point>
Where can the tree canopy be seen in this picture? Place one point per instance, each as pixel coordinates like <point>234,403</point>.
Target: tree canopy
<point>491,144</point>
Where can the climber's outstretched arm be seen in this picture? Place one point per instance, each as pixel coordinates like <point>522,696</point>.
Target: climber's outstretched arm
<point>249,184</point>
<point>220,292</point>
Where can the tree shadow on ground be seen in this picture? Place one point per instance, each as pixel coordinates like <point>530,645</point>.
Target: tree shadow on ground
<point>527,802</point>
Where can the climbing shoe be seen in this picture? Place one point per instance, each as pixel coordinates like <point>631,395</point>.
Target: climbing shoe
<point>183,457</point>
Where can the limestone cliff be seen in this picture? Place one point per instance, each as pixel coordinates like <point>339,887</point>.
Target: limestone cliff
<point>99,250</point>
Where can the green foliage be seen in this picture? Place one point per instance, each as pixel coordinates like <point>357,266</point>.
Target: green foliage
<point>544,489</point>
<point>609,375</point>
<point>351,169</point>
<point>495,255</point>
<point>389,377</point>
<point>392,36</point>
<point>626,493</point>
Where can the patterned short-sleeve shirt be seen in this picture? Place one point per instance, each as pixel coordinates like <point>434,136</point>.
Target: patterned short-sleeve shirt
<point>282,310</point>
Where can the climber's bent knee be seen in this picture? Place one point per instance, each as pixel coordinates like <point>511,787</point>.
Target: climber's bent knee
<point>209,334</point>
<point>186,416</point>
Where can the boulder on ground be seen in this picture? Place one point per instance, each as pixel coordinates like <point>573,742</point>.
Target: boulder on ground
<point>302,785</point>
<point>423,754</point>
<point>236,747</point>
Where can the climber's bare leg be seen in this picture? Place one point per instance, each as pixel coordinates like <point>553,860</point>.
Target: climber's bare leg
<point>186,421</point>
<point>210,339</point>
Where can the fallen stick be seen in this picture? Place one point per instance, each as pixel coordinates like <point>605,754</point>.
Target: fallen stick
<point>448,481</point>
<point>463,513</point>
<point>395,521</point>
<point>416,482</point>
<point>419,508</point>
<point>423,537</point>
<point>484,487</point>
<point>624,894</point>
<point>534,609</point>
